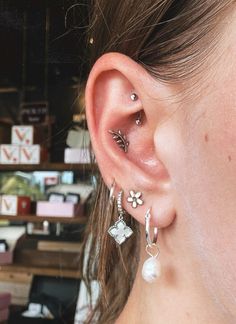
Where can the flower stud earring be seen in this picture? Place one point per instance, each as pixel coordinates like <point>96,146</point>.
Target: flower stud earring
<point>120,231</point>
<point>135,199</point>
<point>151,268</point>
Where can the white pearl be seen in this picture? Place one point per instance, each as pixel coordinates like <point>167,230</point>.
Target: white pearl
<point>151,269</point>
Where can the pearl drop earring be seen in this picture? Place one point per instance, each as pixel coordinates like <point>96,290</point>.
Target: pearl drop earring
<point>151,268</point>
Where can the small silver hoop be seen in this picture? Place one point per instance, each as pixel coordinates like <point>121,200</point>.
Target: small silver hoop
<point>112,189</point>
<point>150,241</point>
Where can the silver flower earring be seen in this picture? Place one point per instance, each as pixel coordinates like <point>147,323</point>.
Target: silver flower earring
<point>135,198</point>
<point>120,231</point>
<point>151,268</point>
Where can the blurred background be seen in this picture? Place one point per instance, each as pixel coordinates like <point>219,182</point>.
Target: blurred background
<point>47,177</point>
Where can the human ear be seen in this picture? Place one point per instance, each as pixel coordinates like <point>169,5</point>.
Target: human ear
<point>109,106</point>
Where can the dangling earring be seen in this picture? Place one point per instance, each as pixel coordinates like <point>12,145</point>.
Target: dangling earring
<point>151,267</point>
<point>120,231</point>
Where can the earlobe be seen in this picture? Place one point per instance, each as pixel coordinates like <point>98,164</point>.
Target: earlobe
<point>117,95</point>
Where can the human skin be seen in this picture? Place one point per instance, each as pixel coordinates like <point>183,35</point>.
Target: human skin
<point>183,160</point>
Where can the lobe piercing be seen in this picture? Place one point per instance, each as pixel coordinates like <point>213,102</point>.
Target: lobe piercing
<point>120,231</point>
<point>111,193</point>
<point>151,268</point>
<point>135,199</point>
<point>120,139</point>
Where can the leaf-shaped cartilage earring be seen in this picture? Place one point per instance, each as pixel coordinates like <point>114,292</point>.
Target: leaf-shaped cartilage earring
<point>120,139</point>
<point>151,267</point>
<point>120,231</point>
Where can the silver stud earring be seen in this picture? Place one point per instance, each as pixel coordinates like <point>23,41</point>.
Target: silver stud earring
<point>120,139</point>
<point>134,96</point>
<point>120,231</point>
<point>135,199</point>
<point>138,119</point>
<point>151,268</point>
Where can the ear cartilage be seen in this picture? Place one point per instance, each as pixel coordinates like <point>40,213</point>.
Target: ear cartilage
<point>134,96</point>
<point>120,139</point>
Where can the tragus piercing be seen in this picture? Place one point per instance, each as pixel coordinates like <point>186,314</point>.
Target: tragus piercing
<point>120,139</point>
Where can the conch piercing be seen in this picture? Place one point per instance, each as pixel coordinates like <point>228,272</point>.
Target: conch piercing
<point>134,198</point>
<point>120,231</point>
<point>151,268</point>
<point>120,139</point>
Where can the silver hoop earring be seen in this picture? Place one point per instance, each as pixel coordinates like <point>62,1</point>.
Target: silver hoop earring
<point>120,231</point>
<point>111,195</point>
<point>151,268</point>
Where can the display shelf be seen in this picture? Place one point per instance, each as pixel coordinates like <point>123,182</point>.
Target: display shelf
<point>40,271</point>
<point>48,167</point>
<point>39,219</point>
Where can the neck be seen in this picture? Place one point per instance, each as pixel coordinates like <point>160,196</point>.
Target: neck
<point>178,296</point>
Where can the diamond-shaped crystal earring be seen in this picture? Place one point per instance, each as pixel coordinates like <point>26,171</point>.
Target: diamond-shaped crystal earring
<point>120,231</point>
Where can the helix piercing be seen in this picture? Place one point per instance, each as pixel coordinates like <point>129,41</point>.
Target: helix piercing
<point>111,194</point>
